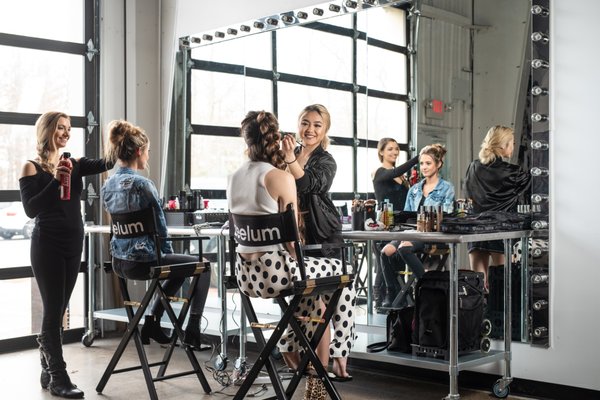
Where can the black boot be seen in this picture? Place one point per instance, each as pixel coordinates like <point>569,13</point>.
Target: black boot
<point>45,375</point>
<point>390,295</point>
<point>192,335</point>
<point>60,384</point>
<point>152,329</point>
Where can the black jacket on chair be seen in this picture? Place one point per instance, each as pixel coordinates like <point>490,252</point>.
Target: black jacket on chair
<point>495,186</point>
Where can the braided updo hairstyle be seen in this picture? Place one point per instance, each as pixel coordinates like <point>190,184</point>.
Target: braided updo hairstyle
<point>124,140</point>
<point>260,130</point>
<point>435,151</point>
<point>496,139</point>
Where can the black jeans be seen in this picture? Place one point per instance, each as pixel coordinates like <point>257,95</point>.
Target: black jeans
<point>410,258</point>
<point>141,271</point>
<point>56,276</point>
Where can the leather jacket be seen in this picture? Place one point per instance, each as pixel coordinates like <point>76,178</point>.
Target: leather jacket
<point>496,186</point>
<point>321,218</point>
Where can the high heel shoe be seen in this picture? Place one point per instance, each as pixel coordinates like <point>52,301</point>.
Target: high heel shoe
<point>152,329</point>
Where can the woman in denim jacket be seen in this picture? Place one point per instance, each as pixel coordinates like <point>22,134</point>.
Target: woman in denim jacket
<point>431,191</point>
<point>133,258</point>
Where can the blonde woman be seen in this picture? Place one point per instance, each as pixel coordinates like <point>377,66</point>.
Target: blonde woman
<point>494,185</point>
<point>57,238</point>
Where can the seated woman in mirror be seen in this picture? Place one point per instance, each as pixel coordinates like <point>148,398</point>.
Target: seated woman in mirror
<point>432,190</point>
<point>133,258</point>
<point>493,184</point>
<point>390,184</point>
<point>263,186</point>
<point>314,169</point>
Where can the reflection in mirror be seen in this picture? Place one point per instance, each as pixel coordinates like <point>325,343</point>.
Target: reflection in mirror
<point>360,65</point>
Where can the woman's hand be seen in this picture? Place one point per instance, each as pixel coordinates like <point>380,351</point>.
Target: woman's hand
<point>63,167</point>
<point>288,144</point>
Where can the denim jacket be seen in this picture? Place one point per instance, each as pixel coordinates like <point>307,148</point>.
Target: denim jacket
<point>127,191</point>
<point>442,194</point>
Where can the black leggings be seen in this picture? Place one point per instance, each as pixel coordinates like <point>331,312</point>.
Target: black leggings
<point>141,271</point>
<point>56,276</point>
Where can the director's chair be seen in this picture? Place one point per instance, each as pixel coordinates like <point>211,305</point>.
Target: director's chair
<point>143,223</point>
<point>281,229</point>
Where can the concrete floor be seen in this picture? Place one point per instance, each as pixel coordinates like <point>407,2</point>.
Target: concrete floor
<point>20,378</point>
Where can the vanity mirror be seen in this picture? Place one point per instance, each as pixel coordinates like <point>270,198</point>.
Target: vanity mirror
<point>418,71</point>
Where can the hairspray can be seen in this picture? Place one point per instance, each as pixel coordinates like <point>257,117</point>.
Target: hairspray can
<point>65,178</point>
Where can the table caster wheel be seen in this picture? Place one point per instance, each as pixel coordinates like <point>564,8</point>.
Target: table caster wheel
<point>87,340</point>
<point>500,393</point>
<point>485,344</point>
<point>486,327</point>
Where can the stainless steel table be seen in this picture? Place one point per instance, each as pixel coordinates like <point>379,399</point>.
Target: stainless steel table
<point>454,365</point>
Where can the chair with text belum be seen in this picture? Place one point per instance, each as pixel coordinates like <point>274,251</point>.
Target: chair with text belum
<point>281,228</point>
<point>143,223</point>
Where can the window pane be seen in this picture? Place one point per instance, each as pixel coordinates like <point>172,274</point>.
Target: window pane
<point>317,54</point>
<point>343,177</point>
<point>57,19</point>
<point>386,24</point>
<point>367,162</point>
<point>293,98</point>
<point>217,98</point>
<point>241,51</point>
<point>17,144</point>
<point>388,118</point>
<point>259,96</point>
<point>386,70</point>
<point>210,168</point>
<point>35,81</point>
<point>25,310</point>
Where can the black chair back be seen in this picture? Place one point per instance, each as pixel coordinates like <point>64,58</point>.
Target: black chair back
<point>265,230</point>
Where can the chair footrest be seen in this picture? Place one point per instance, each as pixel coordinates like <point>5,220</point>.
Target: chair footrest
<point>179,270</point>
<point>322,285</point>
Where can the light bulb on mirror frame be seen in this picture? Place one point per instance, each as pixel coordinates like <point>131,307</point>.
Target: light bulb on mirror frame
<point>540,11</point>
<point>539,198</point>
<point>539,171</point>
<point>540,37</point>
<point>539,145</point>
<point>539,278</point>
<point>541,331</point>
<point>539,91</point>
<point>537,117</point>
<point>539,225</point>
<point>537,63</point>
<point>540,305</point>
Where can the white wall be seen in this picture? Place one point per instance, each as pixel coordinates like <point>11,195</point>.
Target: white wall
<point>574,355</point>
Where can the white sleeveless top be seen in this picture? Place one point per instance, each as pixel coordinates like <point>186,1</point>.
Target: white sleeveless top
<point>248,195</point>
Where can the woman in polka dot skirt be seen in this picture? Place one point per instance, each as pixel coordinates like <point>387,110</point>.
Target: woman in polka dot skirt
<point>262,186</point>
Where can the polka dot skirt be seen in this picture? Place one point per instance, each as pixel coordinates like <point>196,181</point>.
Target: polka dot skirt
<point>275,271</point>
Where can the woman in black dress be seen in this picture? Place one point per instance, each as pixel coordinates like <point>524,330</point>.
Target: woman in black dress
<point>57,238</point>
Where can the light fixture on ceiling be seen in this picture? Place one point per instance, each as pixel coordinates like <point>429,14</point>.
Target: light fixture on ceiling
<point>232,31</point>
<point>334,8</point>
<point>318,11</point>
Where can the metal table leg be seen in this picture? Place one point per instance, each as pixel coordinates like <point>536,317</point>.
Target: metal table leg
<point>88,337</point>
<point>221,360</point>
<point>453,345</point>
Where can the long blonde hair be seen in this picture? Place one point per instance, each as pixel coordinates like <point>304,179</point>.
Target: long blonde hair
<point>46,126</point>
<point>496,139</point>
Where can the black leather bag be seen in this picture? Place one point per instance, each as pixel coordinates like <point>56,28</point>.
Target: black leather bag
<point>487,221</point>
<point>399,327</point>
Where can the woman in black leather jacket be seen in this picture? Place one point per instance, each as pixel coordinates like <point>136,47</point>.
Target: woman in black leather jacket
<point>314,169</point>
<point>494,185</point>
